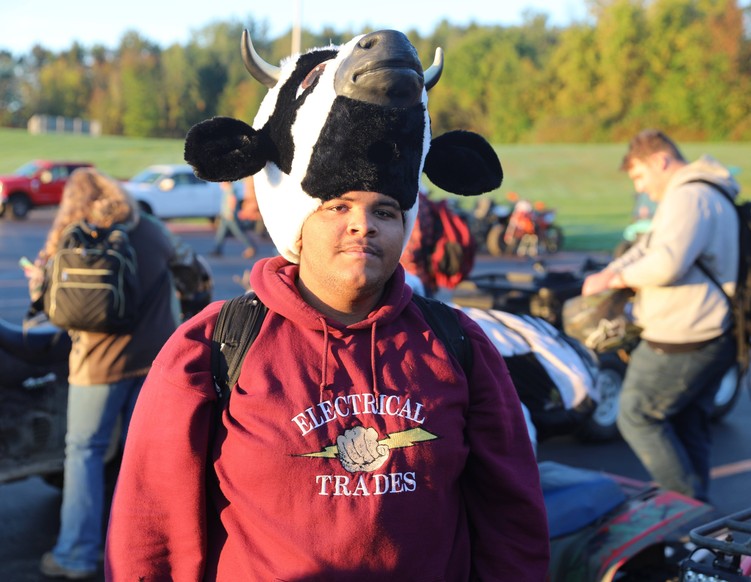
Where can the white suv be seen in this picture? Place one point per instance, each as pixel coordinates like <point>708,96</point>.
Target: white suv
<point>174,191</point>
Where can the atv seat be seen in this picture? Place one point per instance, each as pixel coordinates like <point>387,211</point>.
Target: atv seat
<point>575,497</point>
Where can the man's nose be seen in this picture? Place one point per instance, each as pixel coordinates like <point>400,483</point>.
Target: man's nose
<point>361,222</point>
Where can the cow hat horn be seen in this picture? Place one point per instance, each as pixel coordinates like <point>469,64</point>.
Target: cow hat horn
<point>338,119</point>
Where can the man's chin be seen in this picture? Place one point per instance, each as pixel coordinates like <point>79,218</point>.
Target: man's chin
<point>365,281</point>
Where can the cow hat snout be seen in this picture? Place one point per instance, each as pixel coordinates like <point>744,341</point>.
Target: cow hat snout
<point>384,69</point>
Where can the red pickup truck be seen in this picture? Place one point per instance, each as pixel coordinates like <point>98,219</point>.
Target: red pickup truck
<point>37,183</point>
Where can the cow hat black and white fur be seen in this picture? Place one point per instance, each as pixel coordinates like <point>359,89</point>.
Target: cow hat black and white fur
<point>340,119</point>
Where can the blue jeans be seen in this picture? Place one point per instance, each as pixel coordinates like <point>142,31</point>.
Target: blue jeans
<point>664,411</point>
<point>92,416</point>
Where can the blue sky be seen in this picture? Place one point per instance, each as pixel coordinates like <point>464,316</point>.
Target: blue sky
<point>55,24</point>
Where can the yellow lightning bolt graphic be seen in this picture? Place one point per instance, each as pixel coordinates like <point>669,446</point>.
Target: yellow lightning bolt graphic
<point>406,438</point>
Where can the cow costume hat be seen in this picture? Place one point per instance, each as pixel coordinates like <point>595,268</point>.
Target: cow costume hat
<point>339,119</point>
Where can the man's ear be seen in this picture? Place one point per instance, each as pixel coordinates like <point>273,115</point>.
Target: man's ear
<point>463,162</point>
<point>663,160</point>
<point>223,149</point>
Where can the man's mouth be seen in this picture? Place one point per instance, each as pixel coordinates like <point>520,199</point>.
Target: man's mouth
<point>362,249</point>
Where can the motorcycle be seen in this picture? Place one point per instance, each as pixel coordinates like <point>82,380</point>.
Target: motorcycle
<point>34,385</point>
<point>524,229</point>
<point>603,527</point>
<point>558,380</point>
<point>488,216</point>
<point>606,527</point>
<point>34,368</point>
<point>554,297</point>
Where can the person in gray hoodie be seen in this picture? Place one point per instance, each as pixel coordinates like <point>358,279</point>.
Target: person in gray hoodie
<point>685,317</point>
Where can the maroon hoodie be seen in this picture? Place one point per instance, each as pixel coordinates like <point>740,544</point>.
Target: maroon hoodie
<point>346,453</point>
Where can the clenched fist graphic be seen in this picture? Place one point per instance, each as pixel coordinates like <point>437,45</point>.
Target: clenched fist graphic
<point>359,450</point>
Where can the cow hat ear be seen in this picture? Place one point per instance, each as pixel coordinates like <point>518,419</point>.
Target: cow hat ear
<point>464,163</point>
<point>223,149</point>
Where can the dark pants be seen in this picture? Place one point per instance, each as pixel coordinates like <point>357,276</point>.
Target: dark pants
<point>664,411</point>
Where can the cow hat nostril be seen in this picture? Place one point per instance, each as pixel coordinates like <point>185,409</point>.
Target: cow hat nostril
<point>384,69</point>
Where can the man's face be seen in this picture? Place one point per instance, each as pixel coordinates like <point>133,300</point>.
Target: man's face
<point>650,175</point>
<point>351,245</point>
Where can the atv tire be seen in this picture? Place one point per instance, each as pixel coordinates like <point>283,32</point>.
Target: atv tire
<point>601,426</point>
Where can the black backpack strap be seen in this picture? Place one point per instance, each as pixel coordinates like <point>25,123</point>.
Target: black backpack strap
<point>236,328</point>
<point>716,186</point>
<point>444,322</point>
<point>737,303</point>
<point>237,325</point>
<point>702,267</point>
<point>240,319</point>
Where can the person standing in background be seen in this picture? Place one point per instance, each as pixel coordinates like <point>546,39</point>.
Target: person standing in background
<point>417,256</point>
<point>106,370</point>
<point>228,223</point>
<point>249,208</point>
<point>676,270</point>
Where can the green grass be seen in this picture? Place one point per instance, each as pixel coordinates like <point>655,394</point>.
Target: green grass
<point>581,181</point>
<point>121,157</point>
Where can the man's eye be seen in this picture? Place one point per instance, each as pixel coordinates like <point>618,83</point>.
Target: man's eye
<point>312,77</point>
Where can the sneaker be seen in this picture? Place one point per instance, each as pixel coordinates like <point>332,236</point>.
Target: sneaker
<point>50,567</point>
<point>249,253</point>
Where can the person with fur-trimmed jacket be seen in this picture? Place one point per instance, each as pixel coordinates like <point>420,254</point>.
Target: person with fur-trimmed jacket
<point>353,446</point>
<point>685,317</point>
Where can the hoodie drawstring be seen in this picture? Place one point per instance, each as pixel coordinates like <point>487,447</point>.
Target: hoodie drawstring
<point>373,358</point>
<point>325,360</point>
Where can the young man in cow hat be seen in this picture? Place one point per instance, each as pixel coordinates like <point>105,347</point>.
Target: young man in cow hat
<point>354,446</point>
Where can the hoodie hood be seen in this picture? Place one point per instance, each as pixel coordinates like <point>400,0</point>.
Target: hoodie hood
<point>275,282</point>
<point>706,168</point>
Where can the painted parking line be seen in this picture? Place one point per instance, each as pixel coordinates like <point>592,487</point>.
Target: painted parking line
<point>190,226</point>
<point>731,469</point>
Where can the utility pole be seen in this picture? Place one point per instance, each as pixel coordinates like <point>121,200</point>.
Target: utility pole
<point>296,26</point>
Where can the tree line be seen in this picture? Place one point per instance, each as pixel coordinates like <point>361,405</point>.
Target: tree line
<point>681,65</point>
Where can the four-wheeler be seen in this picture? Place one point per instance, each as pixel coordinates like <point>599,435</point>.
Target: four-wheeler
<point>723,550</point>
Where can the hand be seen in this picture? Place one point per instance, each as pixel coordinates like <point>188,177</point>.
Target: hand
<point>249,208</point>
<point>598,282</point>
<point>243,214</point>
<point>359,450</point>
<point>35,275</point>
